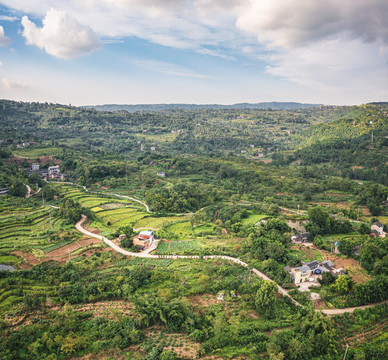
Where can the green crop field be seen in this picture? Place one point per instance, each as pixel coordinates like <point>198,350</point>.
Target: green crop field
<point>177,247</point>
<point>157,222</point>
<point>151,262</point>
<point>182,229</point>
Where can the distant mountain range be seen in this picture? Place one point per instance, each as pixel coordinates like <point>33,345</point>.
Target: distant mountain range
<point>158,107</point>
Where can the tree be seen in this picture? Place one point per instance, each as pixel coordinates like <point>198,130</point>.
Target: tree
<point>364,229</point>
<point>126,243</point>
<point>320,218</point>
<point>18,189</point>
<point>343,284</point>
<point>346,246</point>
<point>318,242</point>
<point>266,299</point>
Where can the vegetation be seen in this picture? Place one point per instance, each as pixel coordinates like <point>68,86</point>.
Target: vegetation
<point>320,172</point>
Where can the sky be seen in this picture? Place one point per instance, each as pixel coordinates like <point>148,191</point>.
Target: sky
<point>89,52</point>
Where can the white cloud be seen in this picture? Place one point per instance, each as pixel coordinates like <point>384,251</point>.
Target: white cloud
<point>4,40</point>
<point>61,35</point>
<point>8,18</point>
<point>332,66</point>
<point>327,44</point>
<point>13,85</point>
<point>289,23</point>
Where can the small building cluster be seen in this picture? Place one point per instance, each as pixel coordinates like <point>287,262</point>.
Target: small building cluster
<point>52,172</point>
<point>144,240</point>
<point>311,271</point>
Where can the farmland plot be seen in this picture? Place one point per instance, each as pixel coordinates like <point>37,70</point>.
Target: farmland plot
<point>177,247</point>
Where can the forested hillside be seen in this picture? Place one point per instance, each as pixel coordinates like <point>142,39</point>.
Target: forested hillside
<point>272,189</point>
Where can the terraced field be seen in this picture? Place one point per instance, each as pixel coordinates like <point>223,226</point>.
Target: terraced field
<point>30,227</point>
<point>157,223</point>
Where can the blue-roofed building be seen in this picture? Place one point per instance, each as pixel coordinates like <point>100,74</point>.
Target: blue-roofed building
<point>144,239</point>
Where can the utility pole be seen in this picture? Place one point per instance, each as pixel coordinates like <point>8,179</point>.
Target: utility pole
<point>43,199</point>
<point>69,252</point>
<point>372,137</point>
<point>50,218</point>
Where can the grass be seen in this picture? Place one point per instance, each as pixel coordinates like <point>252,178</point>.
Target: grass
<point>33,153</point>
<point>307,254</point>
<point>253,219</point>
<point>9,260</point>
<point>204,230</point>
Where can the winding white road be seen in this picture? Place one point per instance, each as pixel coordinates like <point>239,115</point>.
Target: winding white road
<point>146,254</point>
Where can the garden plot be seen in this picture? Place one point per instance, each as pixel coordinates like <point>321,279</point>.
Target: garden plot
<point>157,223</point>
<point>177,247</point>
<point>90,202</point>
<point>120,217</point>
<point>182,229</point>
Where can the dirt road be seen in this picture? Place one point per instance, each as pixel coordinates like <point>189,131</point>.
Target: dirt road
<point>351,309</point>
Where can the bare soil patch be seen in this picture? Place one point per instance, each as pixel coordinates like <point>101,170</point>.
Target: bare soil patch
<point>27,257</point>
<point>61,254</point>
<point>203,300</point>
<point>92,230</point>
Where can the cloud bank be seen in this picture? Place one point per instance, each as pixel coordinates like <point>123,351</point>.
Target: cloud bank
<point>332,45</point>
<point>61,35</point>
<point>4,40</point>
<point>13,85</point>
<point>288,23</point>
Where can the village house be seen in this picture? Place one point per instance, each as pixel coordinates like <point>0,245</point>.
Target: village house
<point>161,173</point>
<point>53,170</point>
<point>144,239</point>
<point>377,229</point>
<point>35,167</point>
<point>302,237</point>
<point>300,274</point>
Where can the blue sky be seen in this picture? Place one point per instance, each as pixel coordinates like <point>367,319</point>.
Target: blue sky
<point>194,51</point>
